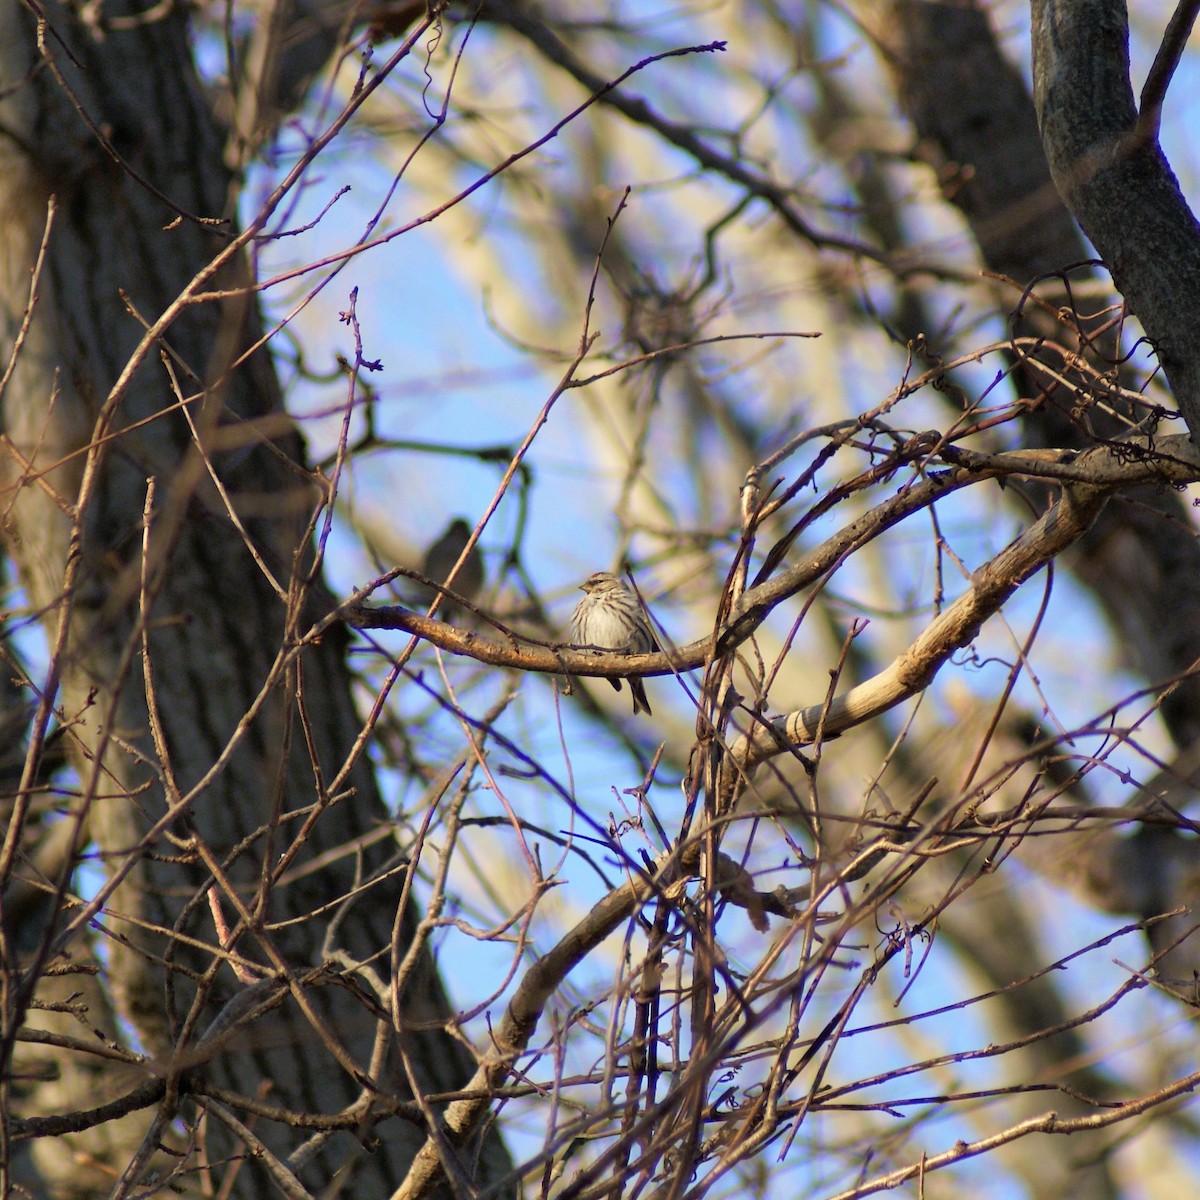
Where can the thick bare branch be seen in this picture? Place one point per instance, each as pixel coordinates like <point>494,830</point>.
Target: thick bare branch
<point>1116,181</point>
<point>1096,474</point>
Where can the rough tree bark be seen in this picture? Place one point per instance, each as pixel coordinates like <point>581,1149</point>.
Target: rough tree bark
<point>1110,170</point>
<point>208,740</point>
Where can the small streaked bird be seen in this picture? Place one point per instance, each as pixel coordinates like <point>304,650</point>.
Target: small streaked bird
<point>440,559</point>
<point>610,618</point>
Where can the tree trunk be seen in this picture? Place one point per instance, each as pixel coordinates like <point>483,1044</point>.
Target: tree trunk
<point>208,743</point>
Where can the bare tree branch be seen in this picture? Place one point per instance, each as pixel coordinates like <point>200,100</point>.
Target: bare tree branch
<point>1116,181</point>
